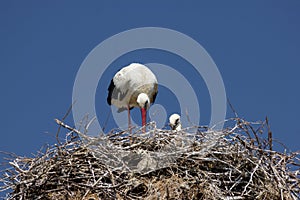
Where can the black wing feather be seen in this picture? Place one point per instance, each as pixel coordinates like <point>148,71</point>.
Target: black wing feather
<point>154,96</point>
<point>111,88</point>
<point>115,93</point>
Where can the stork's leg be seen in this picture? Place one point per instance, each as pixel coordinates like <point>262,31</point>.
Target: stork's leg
<point>129,125</point>
<point>129,119</point>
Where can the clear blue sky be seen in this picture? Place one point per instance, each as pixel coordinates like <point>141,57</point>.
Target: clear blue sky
<point>255,45</point>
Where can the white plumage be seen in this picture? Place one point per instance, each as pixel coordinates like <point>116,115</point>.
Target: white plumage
<point>133,86</point>
<point>174,121</point>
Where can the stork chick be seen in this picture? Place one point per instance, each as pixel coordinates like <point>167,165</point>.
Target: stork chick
<point>174,122</point>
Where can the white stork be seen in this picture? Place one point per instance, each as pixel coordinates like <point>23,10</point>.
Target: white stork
<point>133,86</point>
<point>174,121</point>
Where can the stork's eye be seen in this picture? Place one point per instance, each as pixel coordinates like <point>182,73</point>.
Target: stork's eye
<point>176,121</point>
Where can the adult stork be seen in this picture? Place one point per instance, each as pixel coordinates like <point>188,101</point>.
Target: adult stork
<point>174,121</point>
<point>133,86</point>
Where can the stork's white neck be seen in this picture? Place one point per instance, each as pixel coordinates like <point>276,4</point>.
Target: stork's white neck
<point>143,101</point>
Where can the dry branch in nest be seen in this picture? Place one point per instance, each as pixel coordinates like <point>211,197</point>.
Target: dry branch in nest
<point>195,163</point>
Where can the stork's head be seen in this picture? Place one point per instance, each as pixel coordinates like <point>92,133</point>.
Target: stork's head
<point>143,101</point>
<point>175,123</point>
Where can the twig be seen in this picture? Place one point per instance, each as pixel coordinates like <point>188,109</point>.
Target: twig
<point>208,164</point>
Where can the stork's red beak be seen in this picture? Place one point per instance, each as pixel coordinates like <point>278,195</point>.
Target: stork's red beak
<point>144,118</point>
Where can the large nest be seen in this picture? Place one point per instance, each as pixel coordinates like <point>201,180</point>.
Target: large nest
<point>195,163</point>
